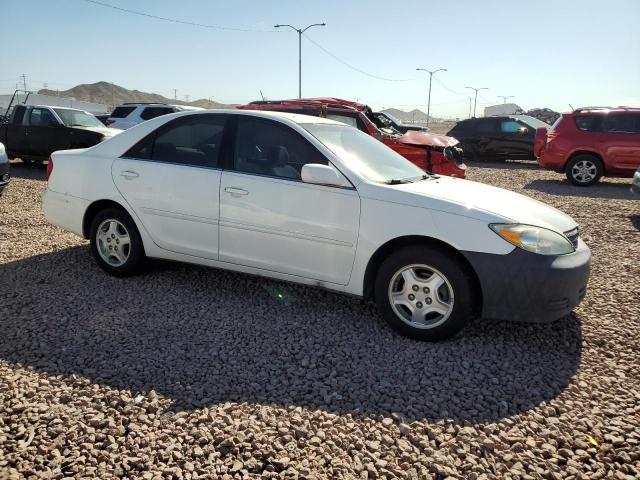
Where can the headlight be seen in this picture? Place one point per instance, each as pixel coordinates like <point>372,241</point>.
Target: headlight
<point>534,239</point>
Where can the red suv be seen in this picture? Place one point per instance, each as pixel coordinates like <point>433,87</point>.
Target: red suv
<point>591,142</point>
<point>431,152</point>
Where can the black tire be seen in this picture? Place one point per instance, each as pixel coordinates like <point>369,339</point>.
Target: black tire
<point>135,256</point>
<point>462,303</point>
<point>584,170</point>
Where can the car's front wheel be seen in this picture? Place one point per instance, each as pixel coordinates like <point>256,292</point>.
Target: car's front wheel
<point>584,170</point>
<point>425,293</point>
<point>116,245</point>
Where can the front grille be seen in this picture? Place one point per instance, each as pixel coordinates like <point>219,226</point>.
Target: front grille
<point>573,236</point>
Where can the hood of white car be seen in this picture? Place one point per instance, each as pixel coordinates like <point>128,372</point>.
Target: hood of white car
<point>472,199</point>
<point>106,131</point>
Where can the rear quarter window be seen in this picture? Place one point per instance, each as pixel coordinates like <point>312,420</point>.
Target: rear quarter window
<point>122,112</point>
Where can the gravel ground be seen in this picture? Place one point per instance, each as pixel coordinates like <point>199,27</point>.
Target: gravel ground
<point>187,372</point>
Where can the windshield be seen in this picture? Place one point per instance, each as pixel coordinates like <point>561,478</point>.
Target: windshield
<point>77,118</point>
<point>364,154</point>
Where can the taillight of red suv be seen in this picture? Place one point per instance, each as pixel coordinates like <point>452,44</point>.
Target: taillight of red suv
<point>49,168</point>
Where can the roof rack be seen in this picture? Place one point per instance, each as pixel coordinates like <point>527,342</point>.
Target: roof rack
<point>584,109</point>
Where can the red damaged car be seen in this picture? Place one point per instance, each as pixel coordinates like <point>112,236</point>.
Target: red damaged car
<point>431,152</point>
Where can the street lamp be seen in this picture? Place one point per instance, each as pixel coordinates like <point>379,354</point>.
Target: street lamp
<point>504,97</point>
<point>300,32</point>
<point>430,72</point>
<point>475,100</point>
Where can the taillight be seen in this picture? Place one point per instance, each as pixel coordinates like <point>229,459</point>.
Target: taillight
<point>49,168</point>
<point>109,122</point>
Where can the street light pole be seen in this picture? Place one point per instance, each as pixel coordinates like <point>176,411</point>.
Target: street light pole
<point>504,98</point>
<point>300,31</point>
<point>475,101</point>
<point>430,72</point>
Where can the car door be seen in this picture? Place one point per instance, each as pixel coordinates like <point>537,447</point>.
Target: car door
<point>16,139</point>
<point>515,140</point>
<point>45,133</point>
<point>270,219</point>
<point>482,136</point>
<point>620,139</point>
<point>171,180</point>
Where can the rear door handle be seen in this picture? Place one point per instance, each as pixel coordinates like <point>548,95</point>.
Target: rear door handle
<point>235,191</point>
<point>129,174</point>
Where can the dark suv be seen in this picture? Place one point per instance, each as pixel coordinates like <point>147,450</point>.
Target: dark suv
<point>591,142</point>
<point>497,138</point>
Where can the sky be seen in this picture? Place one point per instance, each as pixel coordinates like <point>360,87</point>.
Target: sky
<point>545,53</point>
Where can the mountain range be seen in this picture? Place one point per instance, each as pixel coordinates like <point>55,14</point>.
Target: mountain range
<point>114,95</point>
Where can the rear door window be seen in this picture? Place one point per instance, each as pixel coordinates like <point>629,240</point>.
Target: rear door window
<point>122,112</point>
<point>194,141</point>
<point>484,126</point>
<point>619,123</point>
<point>153,112</point>
<point>589,123</point>
<point>19,114</point>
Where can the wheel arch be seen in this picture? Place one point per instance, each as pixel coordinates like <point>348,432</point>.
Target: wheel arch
<point>93,209</point>
<point>397,243</point>
<point>584,151</point>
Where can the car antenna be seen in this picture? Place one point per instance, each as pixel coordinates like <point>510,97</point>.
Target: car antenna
<point>571,107</point>
<point>263,99</point>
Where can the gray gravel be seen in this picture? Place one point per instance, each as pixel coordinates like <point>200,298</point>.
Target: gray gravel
<point>187,372</point>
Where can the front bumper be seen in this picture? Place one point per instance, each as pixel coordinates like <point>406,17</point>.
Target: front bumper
<point>527,287</point>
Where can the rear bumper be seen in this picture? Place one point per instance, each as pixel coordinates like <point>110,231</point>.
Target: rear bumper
<point>64,211</point>
<point>527,287</point>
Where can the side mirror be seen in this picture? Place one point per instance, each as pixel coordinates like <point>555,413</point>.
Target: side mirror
<point>53,123</point>
<point>320,175</point>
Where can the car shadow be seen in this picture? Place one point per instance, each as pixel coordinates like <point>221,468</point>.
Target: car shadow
<point>603,189</point>
<point>203,336</point>
<point>28,171</point>
<point>635,221</point>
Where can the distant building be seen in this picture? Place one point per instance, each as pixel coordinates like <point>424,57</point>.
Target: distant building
<point>38,99</point>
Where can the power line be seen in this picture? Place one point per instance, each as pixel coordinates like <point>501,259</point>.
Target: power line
<point>359,70</point>
<point>450,90</point>
<point>175,20</point>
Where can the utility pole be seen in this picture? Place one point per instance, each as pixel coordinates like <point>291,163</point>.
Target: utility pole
<point>175,94</point>
<point>300,31</point>
<point>24,81</point>
<point>475,101</point>
<point>430,72</point>
<point>470,100</point>
<point>504,98</point>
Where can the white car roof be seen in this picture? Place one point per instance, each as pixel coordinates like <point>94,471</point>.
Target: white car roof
<point>123,141</point>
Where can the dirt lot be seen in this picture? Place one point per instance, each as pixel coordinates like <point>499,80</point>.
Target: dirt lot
<point>187,372</point>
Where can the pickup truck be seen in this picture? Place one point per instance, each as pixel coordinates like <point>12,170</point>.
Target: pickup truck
<point>32,133</point>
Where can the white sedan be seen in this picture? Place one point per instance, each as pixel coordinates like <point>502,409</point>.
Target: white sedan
<point>313,201</point>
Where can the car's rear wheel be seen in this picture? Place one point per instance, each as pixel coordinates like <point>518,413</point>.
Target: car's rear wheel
<point>116,245</point>
<point>584,170</point>
<point>425,293</point>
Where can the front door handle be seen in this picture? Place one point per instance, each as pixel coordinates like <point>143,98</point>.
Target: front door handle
<point>129,174</point>
<point>235,191</point>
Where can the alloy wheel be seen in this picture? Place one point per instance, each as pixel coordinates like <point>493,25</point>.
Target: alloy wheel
<point>113,242</point>
<point>584,171</point>
<point>421,296</point>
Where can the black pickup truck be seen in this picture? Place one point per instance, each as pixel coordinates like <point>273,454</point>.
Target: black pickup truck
<point>32,133</point>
